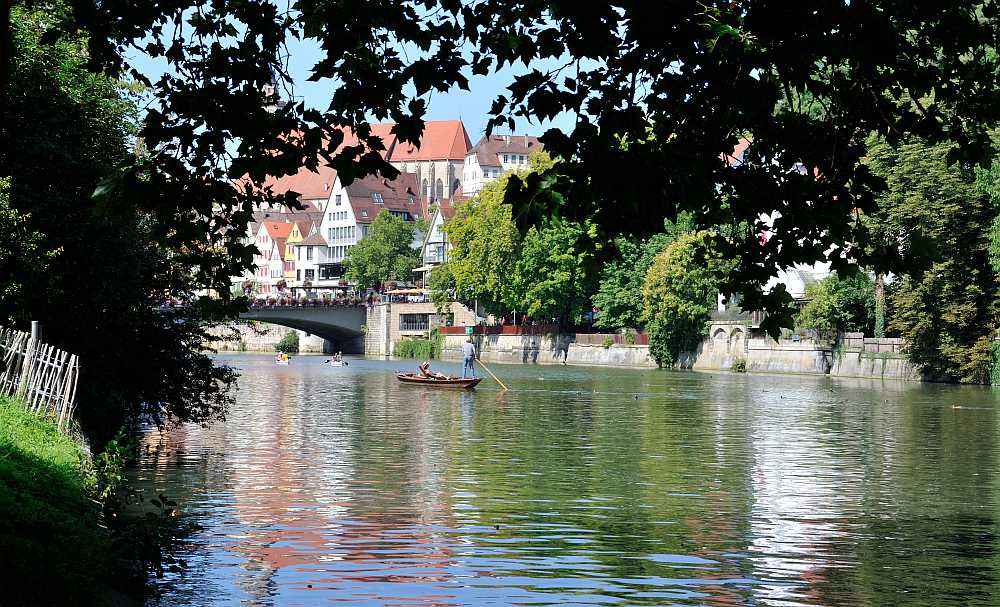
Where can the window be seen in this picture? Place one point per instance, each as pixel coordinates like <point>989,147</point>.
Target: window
<point>364,213</point>
<point>310,274</point>
<point>377,197</point>
<point>309,253</point>
<point>414,322</point>
<point>336,200</point>
<point>298,274</point>
<point>455,187</point>
<point>439,189</point>
<point>329,234</point>
<point>423,189</point>
<point>409,199</point>
<point>505,159</point>
<point>329,251</point>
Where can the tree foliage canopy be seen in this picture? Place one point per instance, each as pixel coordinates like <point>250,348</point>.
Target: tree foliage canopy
<point>546,274</point>
<point>485,244</point>
<point>936,218</point>
<point>619,291</point>
<point>680,293</point>
<point>553,279</point>
<point>385,253</point>
<point>840,304</point>
<point>680,82</point>
<point>442,286</point>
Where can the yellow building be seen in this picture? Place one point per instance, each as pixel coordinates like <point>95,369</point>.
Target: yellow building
<point>300,229</point>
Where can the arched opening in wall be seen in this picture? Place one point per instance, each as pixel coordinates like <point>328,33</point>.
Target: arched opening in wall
<point>439,190</point>
<point>719,336</point>
<point>455,187</point>
<point>736,340</point>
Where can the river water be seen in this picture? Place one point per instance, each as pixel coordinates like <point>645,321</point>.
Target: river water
<point>584,486</point>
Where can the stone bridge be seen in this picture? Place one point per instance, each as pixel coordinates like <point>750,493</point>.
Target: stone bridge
<point>341,325</point>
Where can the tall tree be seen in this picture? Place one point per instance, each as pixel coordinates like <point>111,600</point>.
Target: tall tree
<point>619,293</point>
<point>554,276</point>
<point>934,220</point>
<point>840,303</point>
<point>680,293</point>
<point>103,266</point>
<point>385,253</point>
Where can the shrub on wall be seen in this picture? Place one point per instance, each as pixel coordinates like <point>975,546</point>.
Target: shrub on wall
<point>424,349</point>
<point>414,348</point>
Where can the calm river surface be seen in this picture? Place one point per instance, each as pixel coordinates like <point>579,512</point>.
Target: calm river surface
<point>585,486</point>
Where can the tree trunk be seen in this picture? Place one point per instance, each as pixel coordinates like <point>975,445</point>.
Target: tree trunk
<point>880,305</point>
<point>6,58</point>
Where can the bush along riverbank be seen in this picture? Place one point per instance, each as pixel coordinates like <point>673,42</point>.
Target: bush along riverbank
<point>63,539</point>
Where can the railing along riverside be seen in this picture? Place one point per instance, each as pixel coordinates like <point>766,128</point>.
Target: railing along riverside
<point>41,375</point>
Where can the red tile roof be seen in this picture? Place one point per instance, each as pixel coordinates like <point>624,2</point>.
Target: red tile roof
<point>311,184</point>
<point>441,140</point>
<point>396,196</point>
<point>737,155</point>
<point>313,240</point>
<point>278,229</point>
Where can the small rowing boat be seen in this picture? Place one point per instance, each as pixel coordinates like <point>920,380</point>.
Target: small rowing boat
<point>449,382</point>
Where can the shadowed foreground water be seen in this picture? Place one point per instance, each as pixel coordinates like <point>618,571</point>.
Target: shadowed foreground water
<point>584,486</point>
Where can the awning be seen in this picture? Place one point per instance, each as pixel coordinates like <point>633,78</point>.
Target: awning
<point>423,269</point>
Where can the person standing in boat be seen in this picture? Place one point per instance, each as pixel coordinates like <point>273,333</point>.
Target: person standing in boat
<point>469,350</point>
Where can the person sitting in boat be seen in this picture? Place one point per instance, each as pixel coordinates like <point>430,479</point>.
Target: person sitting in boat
<point>425,370</point>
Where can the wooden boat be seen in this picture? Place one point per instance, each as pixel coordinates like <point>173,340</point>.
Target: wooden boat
<point>336,363</point>
<point>451,382</point>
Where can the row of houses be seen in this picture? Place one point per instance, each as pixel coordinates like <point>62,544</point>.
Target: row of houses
<point>306,248</point>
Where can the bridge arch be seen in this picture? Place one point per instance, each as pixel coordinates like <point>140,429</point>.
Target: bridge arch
<point>341,325</point>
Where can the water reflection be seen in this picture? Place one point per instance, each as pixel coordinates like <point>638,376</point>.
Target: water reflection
<point>583,486</point>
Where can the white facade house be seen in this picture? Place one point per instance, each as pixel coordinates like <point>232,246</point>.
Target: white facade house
<point>435,247</point>
<point>493,156</point>
<point>310,255</point>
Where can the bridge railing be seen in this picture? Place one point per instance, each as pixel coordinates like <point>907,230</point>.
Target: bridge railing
<point>260,304</point>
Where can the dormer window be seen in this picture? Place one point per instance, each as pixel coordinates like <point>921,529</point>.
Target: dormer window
<point>364,213</point>
<point>377,197</point>
<point>410,199</point>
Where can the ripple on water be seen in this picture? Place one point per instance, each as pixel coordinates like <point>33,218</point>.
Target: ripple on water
<point>341,485</point>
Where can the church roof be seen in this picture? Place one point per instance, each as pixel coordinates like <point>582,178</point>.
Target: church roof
<point>441,140</point>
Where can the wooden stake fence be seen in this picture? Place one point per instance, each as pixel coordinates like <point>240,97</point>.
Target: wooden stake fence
<point>41,375</point>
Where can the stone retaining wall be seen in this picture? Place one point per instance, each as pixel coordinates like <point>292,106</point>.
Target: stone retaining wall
<point>547,349</point>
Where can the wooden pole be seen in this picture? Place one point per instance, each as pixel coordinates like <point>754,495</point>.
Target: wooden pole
<point>491,374</point>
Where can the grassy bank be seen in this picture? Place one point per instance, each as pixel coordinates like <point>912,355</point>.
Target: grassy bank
<point>52,550</point>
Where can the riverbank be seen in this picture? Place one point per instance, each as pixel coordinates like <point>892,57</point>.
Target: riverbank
<point>52,549</point>
<point>726,347</point>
